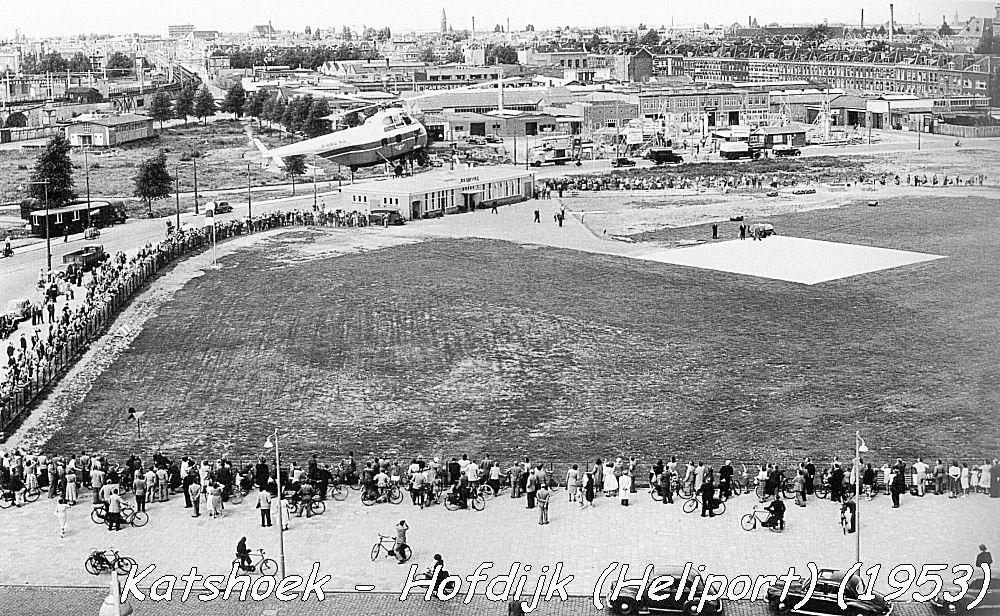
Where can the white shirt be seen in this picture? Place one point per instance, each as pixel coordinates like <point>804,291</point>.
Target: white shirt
<point>472,470</point>
<point>920,468</point>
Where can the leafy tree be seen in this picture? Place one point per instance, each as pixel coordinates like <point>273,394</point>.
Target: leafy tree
<point>315,124</point>
<point>455,56</point>
<point>184,106</point>
<point>278,111</point>
<point>988,44</point>
<point>497,28</point>
<point>500,54</point>
<point>529,28</point>
<point>153,181</point>
<point>945,30</point>
<point>52,62</point>
<point>594,42</point>
<point>427,55</point>
<point>160,107</point>
<point>53,166</point>
<point>650,38</point>
<point>236,99</point>
<point>817,33</point>
<point>308,30</point>
<point>299,108</point>
<point>119,62</point>
<point>80,63</point>
<point>295,166</point>
<point>255,104</point>
<point>204,104</point>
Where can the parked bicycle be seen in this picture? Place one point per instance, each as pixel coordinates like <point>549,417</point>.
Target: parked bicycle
<point>693,503</point>
<point>760,516</point>
<point>452,502</point>
<point>258,562</point>
<point>101,561</point>
<point>337,491</point>
<point>388,545</point>
<point>128,515</point>
<point>317,506</point>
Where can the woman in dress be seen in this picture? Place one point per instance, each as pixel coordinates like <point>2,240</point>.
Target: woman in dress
<point>60,514</point>
<point>985,477</point>
<point>964,478</point>
<point>994,480</point>
<point>610,481</point>
<point>70,486</point>
<point>588,491</point>
<point>624,488</point>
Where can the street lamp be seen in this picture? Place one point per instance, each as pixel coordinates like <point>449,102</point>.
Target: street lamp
<point>269,444</point>
<point>48,239</point>
<point>249,202</point>
<point>859,448</point>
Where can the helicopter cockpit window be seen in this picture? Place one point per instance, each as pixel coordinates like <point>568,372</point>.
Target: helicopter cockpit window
<point>407,120</point>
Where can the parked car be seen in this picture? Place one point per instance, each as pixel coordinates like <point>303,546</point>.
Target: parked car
<point>18,309</point>
<point>660,156</point>
<point>824,600</point>
<point>378,217</point>
<point>87,258</point>
<point>629,600</point>
<point>785,150</point>
<point>435,161</point>
<point>223,207</point>
<point>494,139</point>
<point>475,140</point>
<point>622,162</point>
<point>989,606</point>
<point>761,229</point>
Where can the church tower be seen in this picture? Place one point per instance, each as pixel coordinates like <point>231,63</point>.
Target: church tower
<point>444,22</point>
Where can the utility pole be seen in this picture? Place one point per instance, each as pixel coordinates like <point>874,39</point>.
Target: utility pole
<point>249,200</point>
<point>315,200</point>
<point>177,194</point>
<point>195,160</point>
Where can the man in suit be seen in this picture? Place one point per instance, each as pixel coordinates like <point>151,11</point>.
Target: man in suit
<point>726,479</point>
<point>707,499</point>
<point>836,483</point>
<point>810,475</point>
<point>530,488</point>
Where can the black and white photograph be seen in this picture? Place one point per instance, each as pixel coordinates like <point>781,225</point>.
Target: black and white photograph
<point>467,308</point>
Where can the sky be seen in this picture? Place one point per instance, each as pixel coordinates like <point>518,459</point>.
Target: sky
<point>69,17</point>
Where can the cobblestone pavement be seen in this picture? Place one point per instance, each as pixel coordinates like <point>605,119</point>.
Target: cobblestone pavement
<point>68,601</point>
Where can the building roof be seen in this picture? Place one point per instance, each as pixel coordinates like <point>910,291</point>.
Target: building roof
<point>114,120</point>
<point>438,180</point>
<point>781,130</point>
<point>848,101</point>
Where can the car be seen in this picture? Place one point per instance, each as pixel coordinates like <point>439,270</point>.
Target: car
<point>989,606</point>
<point>223,207</point>
<point>664,601</point>
<point>434,161</point>
<point>18,309</point>
<point>622,162</point>
<point>761,229</point>
<point>494,139</point>
<point>475,140</point>
<point>379,217</point>
<point>660,156</point>
<point>785,150</point>
<point>823,600</point>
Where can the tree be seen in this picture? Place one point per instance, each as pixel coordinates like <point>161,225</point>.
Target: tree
<point>255,104</point>
<point>529,28</point>
<point>308,30</point>
<point>817,33</point>
<point>52,62</point>
<point>160,107</point>
<point>455,56</point>
<point>650,38</point>
<point>80,63</point>
<point>295,166</point>
<point>500,54</point>
<point>152,181</point>
<point>594,43</point>
<point>184,106</point>
<point>278,111</point>
<point>204,104</point>
<point>427,55</point>
<point>497,28</point>
<point>236,98</point>
<point>945,30</point>
<point>315,124</point>
<point>53,166</point>
<point>987,45</point>
<point>119,62</point>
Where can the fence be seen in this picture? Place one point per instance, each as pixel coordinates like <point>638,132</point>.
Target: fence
<point>25,393</point>
<point>967,132</point>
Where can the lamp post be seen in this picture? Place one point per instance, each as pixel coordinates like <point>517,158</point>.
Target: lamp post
<point>137,416</point>
<point>48,238</point>
<point>315,196</point>
<point>177,194</point>
<point>859,448</point>
<point>269,444</point>
<point>249,203</point>
<point>195,161</point>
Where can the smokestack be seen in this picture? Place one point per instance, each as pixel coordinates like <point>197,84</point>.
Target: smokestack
<point>473,27</point>
<point>500,90</point>
<point>892,22</point>
<point>508,25</point>
<point>862,19</point>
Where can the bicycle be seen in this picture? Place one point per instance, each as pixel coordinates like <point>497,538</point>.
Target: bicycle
<point>693,503</point>
<point>258,562</point>
<point>317,506</point>
<point>453,503</point>
<point>8,498</point>
<point>750,521</point>
<point>98,562</point>
<point>238,495</point>
<point>338,491</point>
<point>392,495</point>
<point>388,544</point>
<point>128,515</point>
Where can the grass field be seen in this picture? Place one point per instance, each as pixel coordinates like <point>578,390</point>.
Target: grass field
<point>471,345</point>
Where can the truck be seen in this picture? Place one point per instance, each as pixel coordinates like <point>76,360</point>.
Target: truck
<point>732,150</point>
<point>558,151</point>
<point>86,258</point>
<point>661,156</point>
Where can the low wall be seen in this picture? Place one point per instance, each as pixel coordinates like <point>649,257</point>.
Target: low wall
<point>967,132</point>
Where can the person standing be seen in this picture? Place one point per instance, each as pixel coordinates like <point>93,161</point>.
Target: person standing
<point>726,480</point>
<point>810,475</point>
<point>70,486</point>
<point>139,489</point>
<point>954,473</point>
<point>598,473</point>
<point>542,498</point>
<point>398,548</point>
<point>515,480</point>
<point>114,511</point>
<point>61,508</point>
<point>264,504</point>
<point>538,216</point>
<point>743,232</point>
<point>665,488</point>
<point>715,231</point>
<point>897,487</point>
<point>531,487</point>
<point>800,488</point>
<point>984,557</point>
<point>589,489</point>
<point>919,475</point>
<point>707,492</point>
<point>836,483</point>
<point>573,482</point>
<point>624,488</point>
<point>194,491</point>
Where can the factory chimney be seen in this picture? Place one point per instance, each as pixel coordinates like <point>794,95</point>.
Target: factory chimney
<point>473,28</point>
<point>892,22</point>
<point>862,19</point>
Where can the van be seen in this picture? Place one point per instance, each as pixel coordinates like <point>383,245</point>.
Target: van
<point>378,217</point>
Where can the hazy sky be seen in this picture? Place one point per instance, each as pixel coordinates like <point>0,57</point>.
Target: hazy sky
<point>63,17</point>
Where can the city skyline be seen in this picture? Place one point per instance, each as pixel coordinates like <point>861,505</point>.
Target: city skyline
<point>76,18</point>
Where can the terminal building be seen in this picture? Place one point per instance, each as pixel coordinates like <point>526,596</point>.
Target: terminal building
<point>436,193</point>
